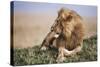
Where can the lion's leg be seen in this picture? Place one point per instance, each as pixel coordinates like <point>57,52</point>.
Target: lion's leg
<point>44,45</point>
<point>74,51</point>
<point>49,40</point>
<point>43,48</point>
<point>78,48</point>
<point>60,57</point>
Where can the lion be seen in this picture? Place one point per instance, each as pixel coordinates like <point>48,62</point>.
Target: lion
<point>68,33</point>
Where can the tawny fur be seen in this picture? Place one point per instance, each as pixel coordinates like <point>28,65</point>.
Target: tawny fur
<point>70,28</point>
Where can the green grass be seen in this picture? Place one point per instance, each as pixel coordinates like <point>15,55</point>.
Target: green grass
<point>34,55</point>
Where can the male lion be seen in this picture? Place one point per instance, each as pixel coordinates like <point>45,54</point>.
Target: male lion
<point>68,33</point>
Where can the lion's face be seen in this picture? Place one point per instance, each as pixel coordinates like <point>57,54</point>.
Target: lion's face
<point>56,28</point>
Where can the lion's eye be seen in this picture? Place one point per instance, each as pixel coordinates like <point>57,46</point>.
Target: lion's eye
<point>51,29</point>
<point>57,21</point>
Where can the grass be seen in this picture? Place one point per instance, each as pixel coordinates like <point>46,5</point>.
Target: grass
<point>30,56</point>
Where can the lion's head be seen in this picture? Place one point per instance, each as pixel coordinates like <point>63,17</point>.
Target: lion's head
<point>65,22</point>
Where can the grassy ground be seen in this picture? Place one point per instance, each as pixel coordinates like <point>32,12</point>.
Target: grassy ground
<point>29,56</point>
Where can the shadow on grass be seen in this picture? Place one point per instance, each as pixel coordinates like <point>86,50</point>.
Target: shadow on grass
<point>34,55</point>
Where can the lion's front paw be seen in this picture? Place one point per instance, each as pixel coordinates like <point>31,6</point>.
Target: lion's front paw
<point>43,48</point>
<point>60,59</point>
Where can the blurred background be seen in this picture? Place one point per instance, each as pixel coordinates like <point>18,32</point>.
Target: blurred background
<point>32,21</point>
